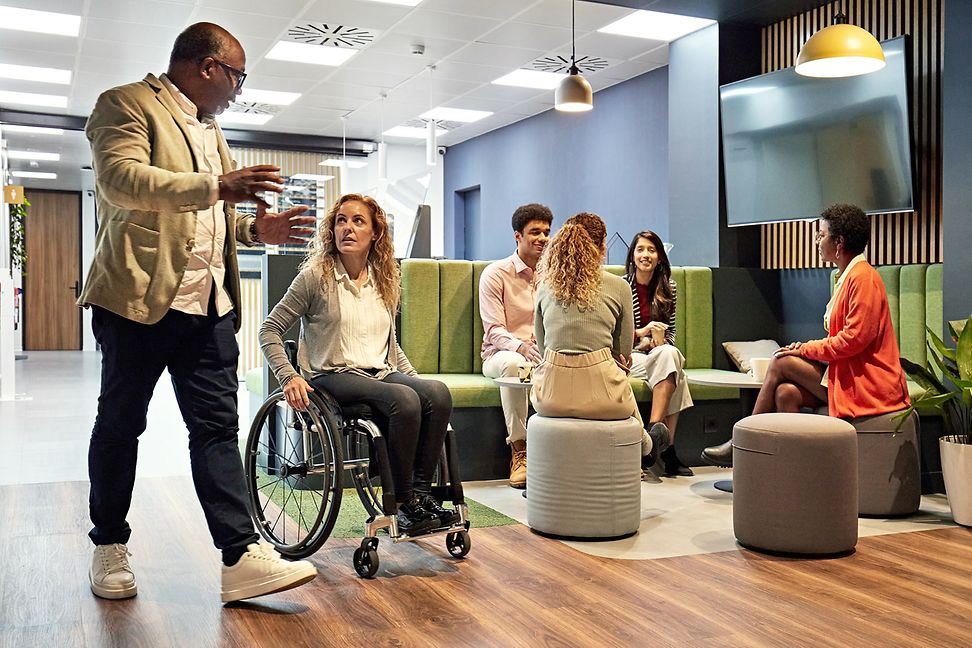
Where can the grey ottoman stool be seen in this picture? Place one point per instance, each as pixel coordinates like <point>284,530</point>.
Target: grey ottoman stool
<point>795,483</point>
<point>583,477</point>
<point>889,472</point>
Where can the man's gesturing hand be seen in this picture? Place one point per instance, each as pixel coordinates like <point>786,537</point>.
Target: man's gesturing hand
<point>242,185</point>
<point>285,227</point>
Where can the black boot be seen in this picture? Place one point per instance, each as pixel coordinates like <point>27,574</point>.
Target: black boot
<point>673,466</point>
<point>720,455</point>
<point>413,518</point>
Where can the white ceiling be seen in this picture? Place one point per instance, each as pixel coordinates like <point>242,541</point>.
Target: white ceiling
<point>470,43</point>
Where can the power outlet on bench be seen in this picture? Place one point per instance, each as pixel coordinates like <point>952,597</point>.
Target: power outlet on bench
<point>710,425</point>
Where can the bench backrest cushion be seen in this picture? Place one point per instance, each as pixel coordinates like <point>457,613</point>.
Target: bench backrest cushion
<point>441,330</point>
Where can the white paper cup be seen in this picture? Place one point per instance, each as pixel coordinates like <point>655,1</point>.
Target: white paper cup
<point>758,367</point>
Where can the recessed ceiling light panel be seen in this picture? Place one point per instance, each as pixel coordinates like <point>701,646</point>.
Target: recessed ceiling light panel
<point>412,132</point>
<point>442,114</point>
<point>311,54</point>
<point>655,25</point>
<point>34,155</point>
<point>531,79</point>
<point>32,99</point>
<point>331,35</point>
<point>39,175</point>
<point>274,97</point>
<point>32,130</point>
<point>32,73</point>
<point>40,22</point>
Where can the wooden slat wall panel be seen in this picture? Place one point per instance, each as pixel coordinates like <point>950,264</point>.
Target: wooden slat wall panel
<point>895,238</point>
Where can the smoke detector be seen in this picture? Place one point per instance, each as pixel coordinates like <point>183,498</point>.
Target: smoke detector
<point>418,48</point>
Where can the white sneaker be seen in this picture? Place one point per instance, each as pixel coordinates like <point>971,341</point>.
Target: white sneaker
<point>261,571</point>
<point>111,576</point>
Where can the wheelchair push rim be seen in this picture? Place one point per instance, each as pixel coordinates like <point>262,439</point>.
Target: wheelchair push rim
<point>293,467</point>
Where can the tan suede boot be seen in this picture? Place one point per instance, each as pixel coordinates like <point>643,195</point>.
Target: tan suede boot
<point>518,466</point>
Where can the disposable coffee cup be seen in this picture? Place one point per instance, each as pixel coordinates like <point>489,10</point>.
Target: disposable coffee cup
<point>758,368</point>
<point>524,372</point>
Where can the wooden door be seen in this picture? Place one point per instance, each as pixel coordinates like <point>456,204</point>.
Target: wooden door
<point>53,234</point>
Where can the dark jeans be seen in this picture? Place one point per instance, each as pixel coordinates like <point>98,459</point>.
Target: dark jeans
<point>417,412</point>
<point>200,353</point>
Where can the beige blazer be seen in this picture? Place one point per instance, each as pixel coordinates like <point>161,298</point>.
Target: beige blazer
<point>148,190</point>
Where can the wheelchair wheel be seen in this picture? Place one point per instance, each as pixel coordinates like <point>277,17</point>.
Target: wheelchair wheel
<point>293,466</point>
<point>458,543</point>
<point>365,559</point>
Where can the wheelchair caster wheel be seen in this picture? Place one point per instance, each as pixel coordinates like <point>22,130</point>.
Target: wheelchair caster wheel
<point>458,543</point>
<point>365,562</point>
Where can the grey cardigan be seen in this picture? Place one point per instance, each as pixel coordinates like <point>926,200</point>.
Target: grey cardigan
<point>317,307</point>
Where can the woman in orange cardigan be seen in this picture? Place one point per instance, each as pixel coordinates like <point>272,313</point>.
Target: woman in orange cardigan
<point>855,369</point>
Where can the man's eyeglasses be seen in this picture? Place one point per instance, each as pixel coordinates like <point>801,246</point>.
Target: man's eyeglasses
<point>239,74</point>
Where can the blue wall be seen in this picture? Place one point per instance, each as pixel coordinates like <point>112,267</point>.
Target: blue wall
<point>612,161</point>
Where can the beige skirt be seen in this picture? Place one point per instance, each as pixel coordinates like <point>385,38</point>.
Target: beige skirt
<point>586,385</point>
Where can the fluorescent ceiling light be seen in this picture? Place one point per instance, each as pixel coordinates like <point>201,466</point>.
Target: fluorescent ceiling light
<point>33,155</point>
<point>311,176</point>
<point>455,114</point>
<point>41,22</point>
<point>655,25</point>
<point>351,164</point>
<point>40,175</point>
<point>32,73</point>
<point>313,54</point>
<point>404,3</point>
<point>32,99</point>
<point>277,98</point>
<point>31,130</point>
<point>247,118</point>
<point>531,79</point>
<point>412,131</point>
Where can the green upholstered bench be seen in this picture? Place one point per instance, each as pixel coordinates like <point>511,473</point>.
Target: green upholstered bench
<point>915,301</point>
<point>441,331</point>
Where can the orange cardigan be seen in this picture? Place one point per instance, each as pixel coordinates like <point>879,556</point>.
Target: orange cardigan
<point>864,376</point>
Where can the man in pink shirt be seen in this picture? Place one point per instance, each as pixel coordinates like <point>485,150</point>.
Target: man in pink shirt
<point>507,290</point>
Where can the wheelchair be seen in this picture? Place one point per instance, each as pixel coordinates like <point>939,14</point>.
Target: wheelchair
<point>296,466</point>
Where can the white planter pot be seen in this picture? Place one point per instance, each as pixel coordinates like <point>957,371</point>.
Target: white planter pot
<point>957,471</point>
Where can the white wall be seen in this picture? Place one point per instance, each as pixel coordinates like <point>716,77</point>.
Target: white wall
<point>406,188</point>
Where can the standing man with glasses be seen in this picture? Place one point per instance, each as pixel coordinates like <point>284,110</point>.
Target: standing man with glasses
<point>164,288</point>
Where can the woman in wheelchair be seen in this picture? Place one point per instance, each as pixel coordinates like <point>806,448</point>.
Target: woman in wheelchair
<point>345,297</point>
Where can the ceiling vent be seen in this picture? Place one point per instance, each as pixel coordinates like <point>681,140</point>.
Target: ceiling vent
<point>331,35</point>
<point>559,63</point>
<point>444,125</point>
<point>253,108</point>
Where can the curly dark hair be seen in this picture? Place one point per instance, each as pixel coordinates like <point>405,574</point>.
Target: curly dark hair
<point>848,222</point>
<point>571,263</point>
<point>532,212</point>
<point>198,41</point>
<point>659,287</point>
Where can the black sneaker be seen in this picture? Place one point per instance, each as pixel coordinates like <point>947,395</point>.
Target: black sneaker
<point>414,519</point>
<point>447,517</point>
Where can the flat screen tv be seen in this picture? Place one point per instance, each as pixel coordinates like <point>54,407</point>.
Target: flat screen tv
<point>793,145</point>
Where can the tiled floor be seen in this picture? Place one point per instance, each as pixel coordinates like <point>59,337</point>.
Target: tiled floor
<point>44,433</point>
<point>44,438</point>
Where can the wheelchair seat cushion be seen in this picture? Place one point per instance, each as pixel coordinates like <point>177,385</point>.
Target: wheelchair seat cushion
<point>357,411</point>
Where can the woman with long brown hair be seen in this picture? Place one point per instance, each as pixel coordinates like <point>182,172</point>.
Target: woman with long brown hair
<point>655,358</point>
<point>584,329</point>
<point>345,297</point>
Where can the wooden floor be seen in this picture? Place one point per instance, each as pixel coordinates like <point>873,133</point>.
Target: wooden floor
<point>514,589</point>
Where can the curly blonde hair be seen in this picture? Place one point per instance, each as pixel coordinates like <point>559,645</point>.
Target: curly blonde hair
<point>571,263</point>
<point>384,269</point>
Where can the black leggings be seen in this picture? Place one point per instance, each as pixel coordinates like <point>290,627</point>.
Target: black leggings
<point>417,412</point>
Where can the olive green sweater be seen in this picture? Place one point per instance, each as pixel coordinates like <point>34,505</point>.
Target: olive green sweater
<point>609,323</point>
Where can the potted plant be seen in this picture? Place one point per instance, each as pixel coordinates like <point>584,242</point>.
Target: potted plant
<point>18,242</point>
<point>951,397</point>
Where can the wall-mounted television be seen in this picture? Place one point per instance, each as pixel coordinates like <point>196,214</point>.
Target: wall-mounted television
<point>793,145</point>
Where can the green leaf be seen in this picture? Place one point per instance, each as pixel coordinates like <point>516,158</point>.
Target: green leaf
<point>957,326</point>
<point>938,345</point>
<point>963,356</point>
<point>925,378</point>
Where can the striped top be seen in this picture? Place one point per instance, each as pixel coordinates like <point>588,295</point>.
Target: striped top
<point>636,306</point>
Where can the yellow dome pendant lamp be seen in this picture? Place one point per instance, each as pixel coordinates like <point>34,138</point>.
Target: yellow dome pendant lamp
<point>574,94</point>
<point>840,50</point>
